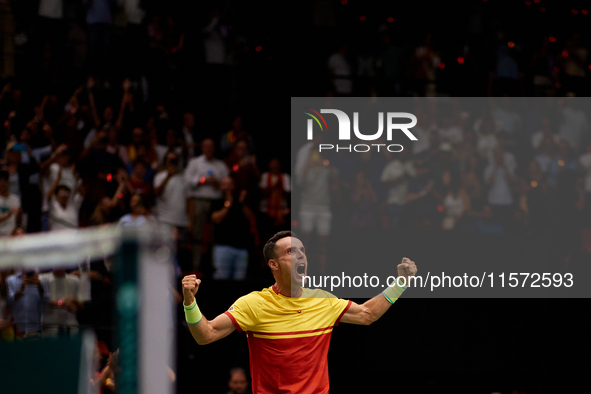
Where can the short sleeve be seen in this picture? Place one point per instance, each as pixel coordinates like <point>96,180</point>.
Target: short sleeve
<point>159,178</point>
<point>286,183</point>
<point>341,307</point>
<point>263,182</point>
<point>242,314</point>
<point>337,307</point>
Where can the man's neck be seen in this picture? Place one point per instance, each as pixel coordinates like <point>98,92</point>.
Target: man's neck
<point>288,291</point>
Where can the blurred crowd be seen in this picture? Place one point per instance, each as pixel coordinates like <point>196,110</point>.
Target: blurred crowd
<point>92,132</point>
<point>503,166</point>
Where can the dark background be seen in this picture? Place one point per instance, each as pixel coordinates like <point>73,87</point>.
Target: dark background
<point>419,346</point>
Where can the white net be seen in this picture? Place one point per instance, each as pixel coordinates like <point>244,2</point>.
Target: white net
<point>142,283</point>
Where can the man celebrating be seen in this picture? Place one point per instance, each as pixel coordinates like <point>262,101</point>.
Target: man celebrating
<point>288,327</point>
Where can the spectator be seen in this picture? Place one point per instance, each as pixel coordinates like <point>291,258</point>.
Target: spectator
<point>202,179</point>
<point>573,64</point>
<point>244,170</point>
<point>140,146</point>
<point>471,181</point>
<point>173,144</point>
<point>465,150</point>
<point>424,62</point>
<point>396,175</point>
<point>171,201</point>
<point>139,215</point>
<point>275,189</point>
<point>450,131</point>
<point>420,199</point>
<point>318,181</point>
<point>100,166</point>
<point>487,140</point>
<point>427,124</point>
<point>27,295</point>
<point>456,201</point>
<point>139,180</point>
<point>236,133</point>
<point>535,198</point>
<point>234,224</point>
<point>547,154</point>
<point>574,127</point>
<point>506,118</point>
<point>340,69</point>
<point>487,223</point>
<point>498,177</point>
<point>188,130</point>
<point>544,133</point>
<point>542,65</point>
<point>238,383</point>
<point>10,207</point>
<point>363,198</point>
<point>64,207</point>
<point>59,314</point>
<point>105,211</point>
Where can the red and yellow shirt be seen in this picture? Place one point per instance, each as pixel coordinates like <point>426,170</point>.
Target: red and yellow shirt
<point>288,338</point>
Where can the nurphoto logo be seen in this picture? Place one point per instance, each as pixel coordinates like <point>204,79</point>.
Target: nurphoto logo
<point>344,132</point>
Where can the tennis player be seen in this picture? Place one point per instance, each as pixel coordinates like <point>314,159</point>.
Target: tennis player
<point>288,326</point>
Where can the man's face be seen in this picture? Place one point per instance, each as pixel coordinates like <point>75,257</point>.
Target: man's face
<point>238,383</point>
<point>208,148</point>
<point>63,196</point>
<point>108,114</point>
<point>137,135</point>
<point>189,120</point>
<point>227,185</point>
<point>172,161</point>
<point>241,149</point>
<point>290,255</point>
<point>275,166</point>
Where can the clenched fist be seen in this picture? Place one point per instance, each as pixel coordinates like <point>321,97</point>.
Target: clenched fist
<point>190,287</point>
<point>408,269</point>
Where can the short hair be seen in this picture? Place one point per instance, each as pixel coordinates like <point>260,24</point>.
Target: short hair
<point>139,161</point>
<point>269,248</point>
<point>236,370</point>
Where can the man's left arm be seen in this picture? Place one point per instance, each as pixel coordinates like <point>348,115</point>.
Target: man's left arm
<point>371,310</point>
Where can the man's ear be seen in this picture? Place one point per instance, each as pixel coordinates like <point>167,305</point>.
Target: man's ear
<point>272,263</point>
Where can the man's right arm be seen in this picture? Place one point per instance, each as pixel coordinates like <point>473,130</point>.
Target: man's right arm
<point>204,331</point>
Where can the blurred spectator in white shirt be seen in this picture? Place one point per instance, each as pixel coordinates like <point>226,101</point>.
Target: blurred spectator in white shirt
<point>575,125</point>
<point>202,180</point>
<point>60,312</point>
<point>339,67</point>
<point>170,192</point>
<point>64,205</point>
<point>544,132</point>
<point>487,140</point>
<point>10,207</point>
<point>396,175</point>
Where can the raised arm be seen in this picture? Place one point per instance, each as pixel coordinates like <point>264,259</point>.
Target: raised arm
<point>371,310</point>
<point>125,99</point>
<point>204,331</point>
